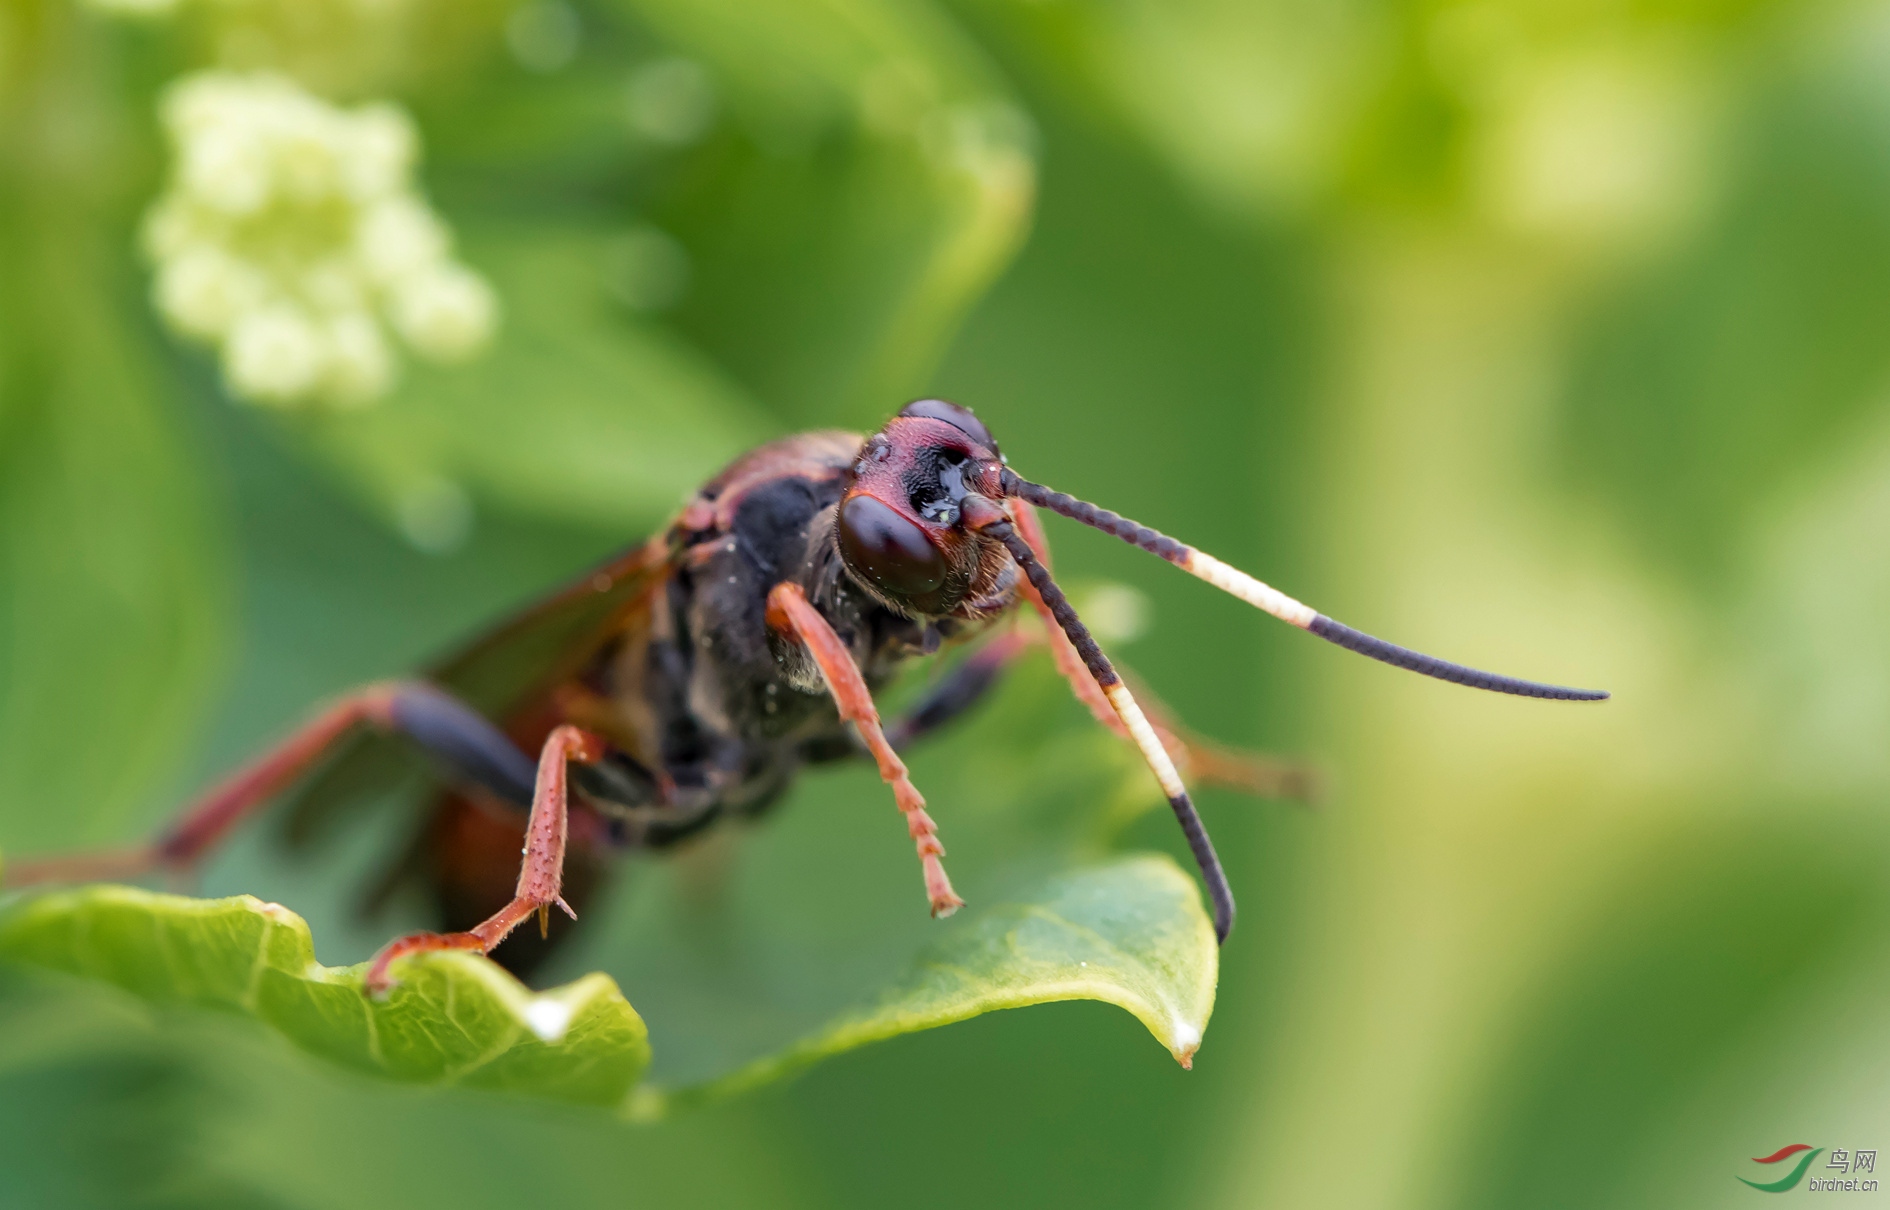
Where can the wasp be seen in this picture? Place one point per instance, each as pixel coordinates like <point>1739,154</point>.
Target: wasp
<point>689,679</point>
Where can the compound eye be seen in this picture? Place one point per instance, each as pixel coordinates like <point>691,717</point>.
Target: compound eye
<point>888,550</point>
<point>960,418</point>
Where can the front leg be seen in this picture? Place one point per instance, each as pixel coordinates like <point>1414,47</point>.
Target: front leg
<point>540,880</point>
<point>791,614</point>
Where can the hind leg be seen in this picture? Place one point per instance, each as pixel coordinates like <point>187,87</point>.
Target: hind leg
<point>458,736</point>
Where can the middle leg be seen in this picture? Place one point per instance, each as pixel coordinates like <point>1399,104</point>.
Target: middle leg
<point>541,878</point>
<point>962,688</point>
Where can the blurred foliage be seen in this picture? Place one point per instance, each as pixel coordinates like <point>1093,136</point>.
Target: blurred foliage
<point>141,1103</point>
<point>1549,337</point>
<point>1757,348</point>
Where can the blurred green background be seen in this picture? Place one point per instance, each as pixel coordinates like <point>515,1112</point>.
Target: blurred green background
<point>1554,338</point>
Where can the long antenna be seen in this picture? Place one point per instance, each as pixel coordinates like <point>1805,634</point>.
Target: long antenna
<point>988,517</point>
<point>1271,600</point>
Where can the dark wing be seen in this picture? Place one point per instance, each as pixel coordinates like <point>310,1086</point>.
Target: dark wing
<point>495,674</point>
<point>551,639</point>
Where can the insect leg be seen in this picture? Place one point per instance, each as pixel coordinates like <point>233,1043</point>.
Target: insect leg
<point>1209,763</point>
<point>1062,651</point>
<point>1199,759</point>
<point>541,876</point>
<point>790,613</point>
<point>990,517</point>
<point>441,724</point>
<point>964,687</point>
<point>1251,772</point>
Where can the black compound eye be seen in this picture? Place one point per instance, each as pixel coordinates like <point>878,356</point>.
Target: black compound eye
<point>888,550</point>
<point>958,417</point>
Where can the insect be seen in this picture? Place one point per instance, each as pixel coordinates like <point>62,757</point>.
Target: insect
<point>690,678</point>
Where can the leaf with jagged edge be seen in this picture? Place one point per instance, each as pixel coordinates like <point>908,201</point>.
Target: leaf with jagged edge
<point>1130,931</point>
<point>454,1018</point>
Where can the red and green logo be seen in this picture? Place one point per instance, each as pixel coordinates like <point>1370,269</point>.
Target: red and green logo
<point>1790,1179</point>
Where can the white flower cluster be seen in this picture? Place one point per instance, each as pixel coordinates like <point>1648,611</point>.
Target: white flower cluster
<point>292,232</point>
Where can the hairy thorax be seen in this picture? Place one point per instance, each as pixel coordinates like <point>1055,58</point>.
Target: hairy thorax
<point>709,707</point>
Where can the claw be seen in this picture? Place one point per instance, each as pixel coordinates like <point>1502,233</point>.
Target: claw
<point>379,980</point>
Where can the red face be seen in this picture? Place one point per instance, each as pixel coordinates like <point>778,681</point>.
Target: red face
<point>899,529</point>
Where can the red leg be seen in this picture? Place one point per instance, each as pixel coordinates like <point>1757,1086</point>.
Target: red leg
<point>541,878</point>
<point>1062,651</point>
<point>789,612</point>
<point>1204,760</point>
<point>1265,776</point>
<point>201,827</point>
<point>960,689</point>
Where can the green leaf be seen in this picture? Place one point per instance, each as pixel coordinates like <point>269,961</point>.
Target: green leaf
<point>1130,932</point>
<point>454,1018</point>
<point>760,937</point>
